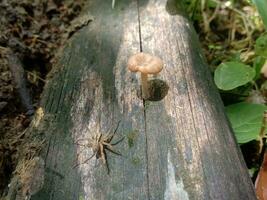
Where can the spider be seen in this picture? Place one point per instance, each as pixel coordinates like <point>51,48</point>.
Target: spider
<point>99,144</point>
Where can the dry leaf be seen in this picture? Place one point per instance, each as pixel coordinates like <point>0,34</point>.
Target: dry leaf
<point>261,181</point>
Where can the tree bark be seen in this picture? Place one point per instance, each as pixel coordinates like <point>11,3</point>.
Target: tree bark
<point>177,148</point>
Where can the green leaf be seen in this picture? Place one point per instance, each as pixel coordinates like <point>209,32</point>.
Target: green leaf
<point>257,65</point>
<point>212,4</point>
<point>261,46</point>
<point>246,120</point>
<point>262,9</point>
<point>230,75</point>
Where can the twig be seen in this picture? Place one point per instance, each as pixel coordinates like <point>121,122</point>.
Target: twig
<point>233,31</point>
<point>4,48</point>
<point>243,16</point>
<point>214,13</point>
<point>205,17</point>
<point>38,77</point>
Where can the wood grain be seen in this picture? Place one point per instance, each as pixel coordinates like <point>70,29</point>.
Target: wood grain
<point>91,93</point>
<point>188,129</point>
<point>178,148</point>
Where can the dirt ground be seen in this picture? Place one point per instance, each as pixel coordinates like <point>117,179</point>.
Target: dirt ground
<point>31,32</point>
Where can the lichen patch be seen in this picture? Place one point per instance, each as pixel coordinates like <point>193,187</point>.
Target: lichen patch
<point>174,189</point>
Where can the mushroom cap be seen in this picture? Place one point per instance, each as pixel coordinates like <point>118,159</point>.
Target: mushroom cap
<point>145,63</point>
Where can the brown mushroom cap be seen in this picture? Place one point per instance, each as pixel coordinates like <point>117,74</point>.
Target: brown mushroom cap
<point>145,63</point>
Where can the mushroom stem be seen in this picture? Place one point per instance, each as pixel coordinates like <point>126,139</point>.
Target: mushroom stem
<point>144,83</point>
<point>146,64</point>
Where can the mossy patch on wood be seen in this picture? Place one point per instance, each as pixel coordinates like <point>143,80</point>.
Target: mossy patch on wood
<point>132,137</point>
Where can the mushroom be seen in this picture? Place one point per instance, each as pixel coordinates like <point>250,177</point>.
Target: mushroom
<point>146,64</point>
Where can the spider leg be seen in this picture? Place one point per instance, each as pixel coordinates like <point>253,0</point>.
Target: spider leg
<point>102,153</point>
<point>99,138</point>
<point>110,148</point>
<point>110,136</point>
<point>84,161</point>
<point>107,165</point>
<point>118,141</point>
<point>78,153</point>
<point>112,151</point>
<point>109,133</point>
<point>117,126</point>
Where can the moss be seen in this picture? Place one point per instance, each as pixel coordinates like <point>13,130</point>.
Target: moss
<point>81,198</point>
<point>136,161</point>
<point>132,137</point>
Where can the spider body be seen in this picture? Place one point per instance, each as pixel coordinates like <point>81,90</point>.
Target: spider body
<point>100,143</point>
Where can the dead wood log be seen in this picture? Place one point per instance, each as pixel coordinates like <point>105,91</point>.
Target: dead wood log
<point>177,148</point>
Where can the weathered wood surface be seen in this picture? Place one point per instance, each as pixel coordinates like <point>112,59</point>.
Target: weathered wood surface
<point>178,148</point>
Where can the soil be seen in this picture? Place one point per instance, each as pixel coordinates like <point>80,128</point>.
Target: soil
<point>31,31</point>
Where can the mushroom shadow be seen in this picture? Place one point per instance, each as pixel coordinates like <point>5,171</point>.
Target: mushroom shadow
<point>157,89</point>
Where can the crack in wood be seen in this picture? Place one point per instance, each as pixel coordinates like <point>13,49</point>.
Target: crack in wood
<point>144,102</point>
<point>139,26</point>
<point>146,142</point>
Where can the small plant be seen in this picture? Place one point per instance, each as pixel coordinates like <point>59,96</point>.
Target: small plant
<point>229,76</point>
<point>262,8</point>
<point>246,120</point>
<point>235,45</point>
